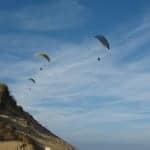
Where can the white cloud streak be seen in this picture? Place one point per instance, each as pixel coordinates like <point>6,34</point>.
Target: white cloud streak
<point>50,16</point>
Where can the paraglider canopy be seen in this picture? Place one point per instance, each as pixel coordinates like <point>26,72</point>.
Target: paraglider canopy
<point>31,79</point>
<point>44,55</point>
<point>103,41</point>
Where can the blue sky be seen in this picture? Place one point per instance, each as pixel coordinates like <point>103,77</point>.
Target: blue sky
<point>89,103</point>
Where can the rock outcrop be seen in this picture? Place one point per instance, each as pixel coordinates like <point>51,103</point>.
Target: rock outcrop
<point>20,131</point>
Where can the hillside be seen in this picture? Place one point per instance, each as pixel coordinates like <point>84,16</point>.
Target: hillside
<point>20,131</point>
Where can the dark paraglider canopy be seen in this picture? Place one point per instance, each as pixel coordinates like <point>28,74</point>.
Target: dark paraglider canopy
<point>103,41</point>
<point>31,79</point>
<point>44,55</point>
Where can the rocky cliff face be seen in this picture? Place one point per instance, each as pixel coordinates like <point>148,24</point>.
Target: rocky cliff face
<point>20,131</point>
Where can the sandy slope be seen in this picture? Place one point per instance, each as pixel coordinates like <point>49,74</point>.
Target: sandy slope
<point>15,145</point>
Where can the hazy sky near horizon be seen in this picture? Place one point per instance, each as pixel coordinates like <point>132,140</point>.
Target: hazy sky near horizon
<point>94,105</point>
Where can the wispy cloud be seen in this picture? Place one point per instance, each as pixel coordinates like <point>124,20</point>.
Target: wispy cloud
<point>75,90</point>
<point>46,16</point>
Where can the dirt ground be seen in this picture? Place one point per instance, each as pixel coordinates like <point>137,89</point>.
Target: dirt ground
<point>15,145</point>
